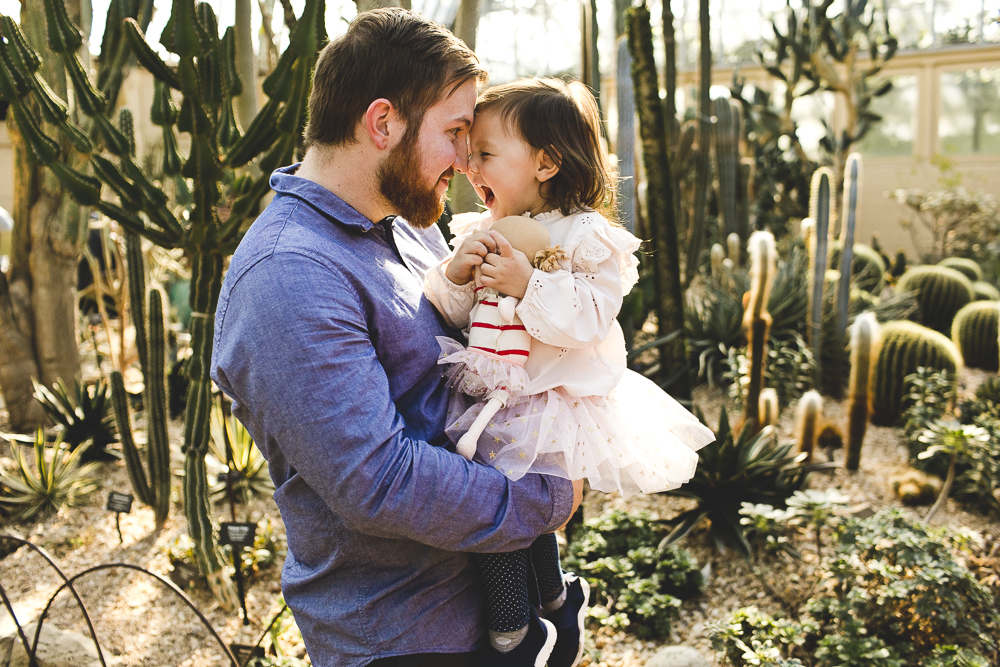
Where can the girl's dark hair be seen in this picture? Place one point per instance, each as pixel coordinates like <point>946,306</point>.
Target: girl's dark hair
<point>563,120</point>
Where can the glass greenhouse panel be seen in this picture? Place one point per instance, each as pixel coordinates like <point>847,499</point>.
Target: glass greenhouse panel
<point>969,121</point>
<point>893,135</point>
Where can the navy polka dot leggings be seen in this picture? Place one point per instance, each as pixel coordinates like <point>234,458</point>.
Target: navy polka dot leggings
<point>509,577</point>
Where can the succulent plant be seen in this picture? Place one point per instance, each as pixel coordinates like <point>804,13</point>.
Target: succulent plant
<point>976,331</point>
<point>941,292</point>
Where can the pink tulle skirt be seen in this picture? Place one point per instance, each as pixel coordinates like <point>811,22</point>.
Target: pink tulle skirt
<point>636,440</point>
<point>477,372</point>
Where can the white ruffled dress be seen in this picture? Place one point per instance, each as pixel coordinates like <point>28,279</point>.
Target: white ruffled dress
<point>583,415</point>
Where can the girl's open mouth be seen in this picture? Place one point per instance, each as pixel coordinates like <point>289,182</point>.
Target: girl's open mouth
<point>487,195</point>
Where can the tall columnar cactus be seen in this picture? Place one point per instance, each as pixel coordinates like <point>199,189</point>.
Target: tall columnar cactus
<point>852,181</point>
<point>808,415</point>
<point>769,408</point>
<point>866,337</point>
<point>756,319</point>
<point>941,292</point>
<point>735,248</point>
<point>967,267</point>
<point>820,204</point>
<point>984,291</point>
<point>716,257</point>
<point>727,163</point>
<point>152,489</point>
<point>975,331</point>
<point>210,226</point>
<point>905,347</point>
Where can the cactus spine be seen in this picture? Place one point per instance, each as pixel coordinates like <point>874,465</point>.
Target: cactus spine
<point>769,410</point>
<point>865,341</point>
<point>154,489</point>
<point>975,332</point>
<point>756,319</point>
<point>808,414</point>
<point>941,293</point>
<point>207,83</point>
<point>820,204</point>
<point>905,347</point>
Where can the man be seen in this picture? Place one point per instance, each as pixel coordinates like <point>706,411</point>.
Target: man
<point>327,346</point>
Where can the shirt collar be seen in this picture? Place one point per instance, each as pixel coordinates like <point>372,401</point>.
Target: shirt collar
<point>285,182</point>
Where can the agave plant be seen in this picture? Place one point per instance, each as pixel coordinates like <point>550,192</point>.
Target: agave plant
<point>248,467</point>
<point>86,415</point>
<point>56,478</point>
<point>713,322</point>
<point>736,469</point>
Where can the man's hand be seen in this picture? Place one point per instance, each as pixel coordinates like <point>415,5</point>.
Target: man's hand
<point>506,270</point>
<point>577,499</point>
<point>462,267</point>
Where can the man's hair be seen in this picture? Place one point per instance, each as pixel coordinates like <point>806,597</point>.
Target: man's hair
<point>563,120</point>
<point>386,53</point>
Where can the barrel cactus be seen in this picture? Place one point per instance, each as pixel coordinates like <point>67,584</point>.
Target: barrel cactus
<point>867,267</point>
<point>942,292</point>
<point>905,347</point>
<point>975,332</point>
<point>984,291</point>
<point>967,267</point>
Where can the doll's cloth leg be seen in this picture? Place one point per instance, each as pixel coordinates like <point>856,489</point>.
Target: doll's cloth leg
<point>505,576</point>
<point>545,561</point>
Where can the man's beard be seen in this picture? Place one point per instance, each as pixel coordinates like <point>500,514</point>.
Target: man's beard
<point>399,181</point>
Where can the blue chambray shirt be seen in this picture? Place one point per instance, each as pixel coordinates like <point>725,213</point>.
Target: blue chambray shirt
<point>325,342</point>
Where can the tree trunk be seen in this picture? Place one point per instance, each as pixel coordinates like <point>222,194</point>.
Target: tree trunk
<point>467,22</point>
<point>38,299</point>
<point>702,165</point>
<point>659,204</point>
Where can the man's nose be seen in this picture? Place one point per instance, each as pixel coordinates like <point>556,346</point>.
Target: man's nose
<point>461,163</point>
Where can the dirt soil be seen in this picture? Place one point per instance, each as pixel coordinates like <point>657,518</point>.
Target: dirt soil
<point>143,623</point>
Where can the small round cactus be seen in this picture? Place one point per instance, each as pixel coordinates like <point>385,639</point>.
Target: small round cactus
<point>941,292</point>
<point>967,267</point>
<point>975,332</point>
<point>984,291</point>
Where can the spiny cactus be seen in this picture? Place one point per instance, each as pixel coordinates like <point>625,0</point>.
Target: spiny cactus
<point>975,332</point>
<point>727,161</point>
<point>852,179</point>
<point>150,339</point>
<point>942,292</point>
<point>756,319</point>
<point>716,257</point>
<point>865,341</point>
<point>899,265</point>
<point>984,291</point>
<point>210,227</point>
<point>769,410</point>
<point>808,414</point>
<point>905,347</point>
<point>967,267</point>
<point>735,248</point>
<point>820,205</point>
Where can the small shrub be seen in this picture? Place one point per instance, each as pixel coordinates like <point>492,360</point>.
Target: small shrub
<point>789,370</point>
<point>895,593</point>
<point>929,395</point>
<point>54,479</point>
<point>641,584</point>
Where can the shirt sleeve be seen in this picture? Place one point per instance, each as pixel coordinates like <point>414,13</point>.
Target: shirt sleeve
<point>295,351</point>
<point>452,300</point>
<point>576,308</point>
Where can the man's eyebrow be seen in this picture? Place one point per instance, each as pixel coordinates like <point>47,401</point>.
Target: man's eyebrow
<point>464,121</point>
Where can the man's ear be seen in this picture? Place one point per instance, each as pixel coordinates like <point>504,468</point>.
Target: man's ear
<point>383,125</point>
<point>545,167</point>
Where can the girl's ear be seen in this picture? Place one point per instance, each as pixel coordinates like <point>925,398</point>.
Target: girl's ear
<point>545,167</point>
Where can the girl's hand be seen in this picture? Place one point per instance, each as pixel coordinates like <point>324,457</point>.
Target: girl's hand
<point>462,267</point>
<point>507,270</point>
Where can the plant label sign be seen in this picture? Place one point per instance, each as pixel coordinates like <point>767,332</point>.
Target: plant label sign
<point>120,502</point>
<point>237,534</point>
<point>243,653</point>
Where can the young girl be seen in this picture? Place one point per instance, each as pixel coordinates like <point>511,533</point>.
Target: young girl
<point>567,406</point>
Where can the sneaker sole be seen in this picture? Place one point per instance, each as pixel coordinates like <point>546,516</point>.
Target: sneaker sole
<point>582,616</point>
<point>550,642</point>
